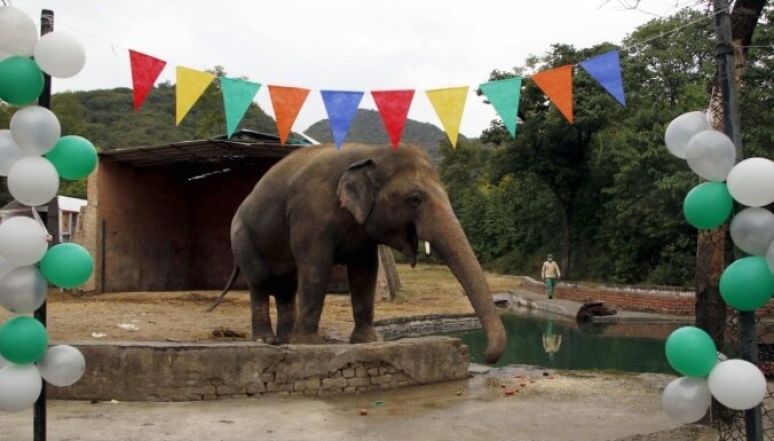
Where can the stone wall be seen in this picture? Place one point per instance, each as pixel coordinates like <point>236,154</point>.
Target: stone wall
<point>156,371</point>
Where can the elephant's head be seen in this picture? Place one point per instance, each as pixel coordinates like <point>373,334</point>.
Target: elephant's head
<point>398,198</point>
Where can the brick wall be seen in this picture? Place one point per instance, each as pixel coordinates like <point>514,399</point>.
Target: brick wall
<point>648,300</point>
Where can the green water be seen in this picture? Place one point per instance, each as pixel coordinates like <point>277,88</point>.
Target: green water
<point>560,344</point>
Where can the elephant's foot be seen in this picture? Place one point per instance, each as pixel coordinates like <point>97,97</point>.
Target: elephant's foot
<point>265,336</point>
<point>314,338</point>
<point>364,334</point>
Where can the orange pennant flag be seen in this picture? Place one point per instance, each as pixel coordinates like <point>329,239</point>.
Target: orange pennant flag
<point>191,84</point>
<point>287,102</point>
<point>557,85</point>
<point>449,105</point>
<point>145,72</point>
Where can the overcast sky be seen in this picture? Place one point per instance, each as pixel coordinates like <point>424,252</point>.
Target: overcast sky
<point>360,45</point>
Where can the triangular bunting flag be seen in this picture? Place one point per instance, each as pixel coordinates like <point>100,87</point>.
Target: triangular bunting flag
<point>145,72</point>
<point>237,97</point>
<point>287,102</point>
<point>557,85</point>
<point>504,96</point>
<point>606,69</point>
<point>341,107</point>
<point>191,84</point>
<point>393,107</point>
<point>449,104</point>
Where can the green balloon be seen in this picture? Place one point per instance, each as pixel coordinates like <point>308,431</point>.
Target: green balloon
<point>21,80</point>
<point>74,157</point>
<point>691,351</point>
<point>747,284</point>
<point>23,340</point>
<point>708,205</point>
<point>67,265</point>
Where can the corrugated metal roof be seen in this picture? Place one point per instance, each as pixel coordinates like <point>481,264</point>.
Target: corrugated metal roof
<point>217,151</point>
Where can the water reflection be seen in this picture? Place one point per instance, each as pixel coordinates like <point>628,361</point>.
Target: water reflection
<point>552,340</point>
<point>561,344</point>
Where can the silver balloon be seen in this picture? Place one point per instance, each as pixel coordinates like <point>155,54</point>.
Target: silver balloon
<point>23,290</point>
<point>62,365</point>
<point>711,155</point>
<point>687,399</point>
<point>35,129</point>
<point>752,230</point>
<point>682,129</point>
<point>20,386</point>
<point>9,152</point>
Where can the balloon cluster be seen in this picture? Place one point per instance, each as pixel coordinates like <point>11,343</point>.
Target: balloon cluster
<point>34,156</point>
<point>746,284</point>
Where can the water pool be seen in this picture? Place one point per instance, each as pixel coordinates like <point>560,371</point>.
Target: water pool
<point>559,343</point>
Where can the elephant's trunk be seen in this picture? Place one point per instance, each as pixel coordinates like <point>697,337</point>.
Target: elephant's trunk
<point>449,240</point>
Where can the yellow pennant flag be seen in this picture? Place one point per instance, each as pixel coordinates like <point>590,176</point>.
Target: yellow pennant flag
<point>449,104</point>
<point>191,84</point>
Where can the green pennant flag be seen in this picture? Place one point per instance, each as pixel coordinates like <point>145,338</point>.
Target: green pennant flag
<point>237,97</point>
<point>504,96</point>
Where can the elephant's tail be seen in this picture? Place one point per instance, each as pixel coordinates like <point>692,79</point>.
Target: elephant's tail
<point>230,283</point>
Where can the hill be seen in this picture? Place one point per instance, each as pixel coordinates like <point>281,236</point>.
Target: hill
<point>368,128</point>
<point>106,118</point>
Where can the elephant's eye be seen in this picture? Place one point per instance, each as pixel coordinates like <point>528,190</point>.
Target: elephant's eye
<point>414,200</point>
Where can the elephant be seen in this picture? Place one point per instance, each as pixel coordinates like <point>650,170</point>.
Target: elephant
<point>322,205</point>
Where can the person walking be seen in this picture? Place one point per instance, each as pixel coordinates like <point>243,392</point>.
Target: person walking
<point>549,274</point>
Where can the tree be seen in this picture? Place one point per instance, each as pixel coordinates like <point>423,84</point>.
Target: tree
<point>547,146</point>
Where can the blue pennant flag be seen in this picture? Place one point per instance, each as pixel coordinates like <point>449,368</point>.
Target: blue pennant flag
<point>606,69</point>
<point>341,107</point>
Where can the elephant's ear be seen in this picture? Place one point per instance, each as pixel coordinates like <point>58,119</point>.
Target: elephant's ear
<point>356,190</point>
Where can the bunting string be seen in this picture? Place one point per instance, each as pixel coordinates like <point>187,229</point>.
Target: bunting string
<point>393,105</point>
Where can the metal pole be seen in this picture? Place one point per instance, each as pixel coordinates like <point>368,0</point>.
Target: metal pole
<point>732,123</point>
<point>39,410</point>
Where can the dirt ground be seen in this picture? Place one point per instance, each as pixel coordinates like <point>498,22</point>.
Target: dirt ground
<point>183,316</point>
<point>515,403</point>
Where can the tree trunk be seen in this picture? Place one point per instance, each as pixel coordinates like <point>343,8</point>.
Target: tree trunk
<point>388,283</point>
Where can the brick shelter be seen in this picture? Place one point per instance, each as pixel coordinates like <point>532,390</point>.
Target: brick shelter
<point>158,218</point>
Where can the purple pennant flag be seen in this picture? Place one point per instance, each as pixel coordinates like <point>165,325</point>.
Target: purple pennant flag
<point>606,69</point>
<point>341,107</point>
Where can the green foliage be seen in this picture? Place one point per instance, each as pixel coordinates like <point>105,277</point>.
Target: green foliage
<point>608,176</point>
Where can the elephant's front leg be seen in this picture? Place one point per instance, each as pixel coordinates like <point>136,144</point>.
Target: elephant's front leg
<point>361,273</point>
<point>313,276</point>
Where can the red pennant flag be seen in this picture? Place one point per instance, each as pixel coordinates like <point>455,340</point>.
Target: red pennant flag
<point>145,71</point>
<point>557,85</point>
<point>393,107</point>
<point>287,102</point>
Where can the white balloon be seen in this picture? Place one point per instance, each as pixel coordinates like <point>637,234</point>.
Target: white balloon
<point>35,129</point>
<point>62,365</point>
<point>3,362</point>
<point>686,399</point>
<point>711,155</point>
<point>9,151</point>
<point>59,55</point>
<point>18,32</point>
<point>23,290</point>
<point>22,241</point>
<point>752,230</point>
<point>682,129</point>
<point>20,386</point>
<point>33,180</point>
<point>737,384</point>
<point>751,182</point>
